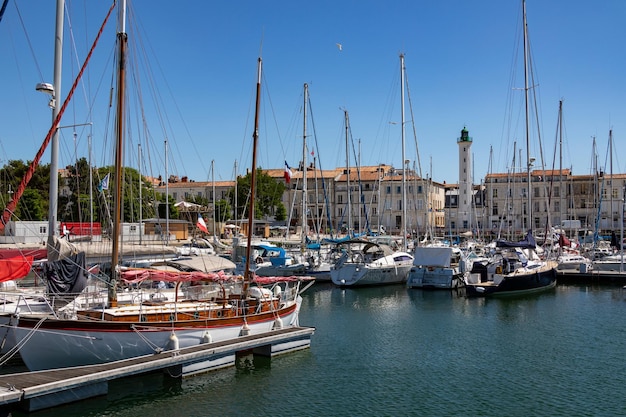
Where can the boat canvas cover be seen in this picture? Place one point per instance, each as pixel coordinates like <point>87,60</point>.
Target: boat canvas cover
<point>527,243</point>
<point>66,276</point>
<point>15,268</point>
<point>432,256</point>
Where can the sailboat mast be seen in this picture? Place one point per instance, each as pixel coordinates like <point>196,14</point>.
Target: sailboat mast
<point>255,139</point>
<point>304,179</point>
<point>54,147</point>
<point>528,165</point>
<point>404,200</point>
<point>214,213</point>
<point>561,191</point>
<point>140,199</point>
<point>122,40</point>
<point>348,172</point>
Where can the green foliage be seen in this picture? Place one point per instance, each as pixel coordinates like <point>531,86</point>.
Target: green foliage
<point>161,201</point>
<point>281,212</point>
<point>267,196</point>
<point>33,207</point>
<point>198,199</point>
<point>222,211</point>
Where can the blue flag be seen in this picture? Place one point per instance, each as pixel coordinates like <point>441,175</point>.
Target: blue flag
<point>104,184</point>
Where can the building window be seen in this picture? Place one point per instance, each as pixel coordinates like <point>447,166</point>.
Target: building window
<point>388,189</point>
<point>419,189</point>
<point>494,209</point>
<point>399,204</point>
<point>398,189</point>
<point>494,193</point>
<point>340,199</point>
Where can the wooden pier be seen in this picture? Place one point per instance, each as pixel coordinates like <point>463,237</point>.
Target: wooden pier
<point>33,391</point>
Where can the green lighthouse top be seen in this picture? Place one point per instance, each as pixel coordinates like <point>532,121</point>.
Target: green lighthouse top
<point>464,136</point>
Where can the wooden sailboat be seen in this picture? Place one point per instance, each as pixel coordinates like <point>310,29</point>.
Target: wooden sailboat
<point>514,268</point>
<point>202,307</point>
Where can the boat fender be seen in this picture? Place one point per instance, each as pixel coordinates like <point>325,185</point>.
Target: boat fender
<point>278,323</point>
<point>206,337</point>
<point>278,290</point>
<point>173,342</point>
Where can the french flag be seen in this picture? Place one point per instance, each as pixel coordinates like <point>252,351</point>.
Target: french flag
<point>288,173</point>
<point>201,224</point>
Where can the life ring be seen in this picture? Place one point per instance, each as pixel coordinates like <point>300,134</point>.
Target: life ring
<point>259,260</point>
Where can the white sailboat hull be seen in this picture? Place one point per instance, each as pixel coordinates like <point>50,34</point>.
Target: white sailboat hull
<point>360,274</point>
<point>67,343</point>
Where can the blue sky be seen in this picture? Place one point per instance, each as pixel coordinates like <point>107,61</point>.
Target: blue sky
<point>463,65</point>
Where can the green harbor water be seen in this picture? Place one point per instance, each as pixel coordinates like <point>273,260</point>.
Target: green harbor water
<point>391,351</point>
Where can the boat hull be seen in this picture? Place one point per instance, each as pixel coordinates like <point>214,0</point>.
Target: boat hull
<point>53,343</point>
<point>434,278</point>
<point>360,275</point>
<point>515,284</point>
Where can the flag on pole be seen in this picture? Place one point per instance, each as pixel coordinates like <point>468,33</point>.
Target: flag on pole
<point>288,173</point>
<point>201,224</point>
<point>104,184</point>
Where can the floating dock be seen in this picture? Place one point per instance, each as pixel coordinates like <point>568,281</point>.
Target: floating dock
<point>591,277</point>
<point>33,391</point>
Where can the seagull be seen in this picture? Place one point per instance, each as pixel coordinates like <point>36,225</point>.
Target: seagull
<point>339,46</point>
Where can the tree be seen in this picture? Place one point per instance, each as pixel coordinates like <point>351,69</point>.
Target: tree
<point>173,210</point>
<point>222,211</point>
<point>35,207</point>
<point>268,194</point>
<point>281,212</point>
<point>76,205</point>
<point>199,199</point>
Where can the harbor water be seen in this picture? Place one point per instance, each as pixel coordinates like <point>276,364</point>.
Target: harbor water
<point>393,351</point>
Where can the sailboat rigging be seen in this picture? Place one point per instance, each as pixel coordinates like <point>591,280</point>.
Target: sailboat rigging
<point>103,326</point>
<point>515,268</point>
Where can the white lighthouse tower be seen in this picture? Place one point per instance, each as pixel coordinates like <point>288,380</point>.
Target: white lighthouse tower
<point>464,210</point>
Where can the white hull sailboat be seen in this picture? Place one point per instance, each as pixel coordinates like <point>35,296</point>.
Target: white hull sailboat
<point>365,263</point>
<point>203,307</point>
